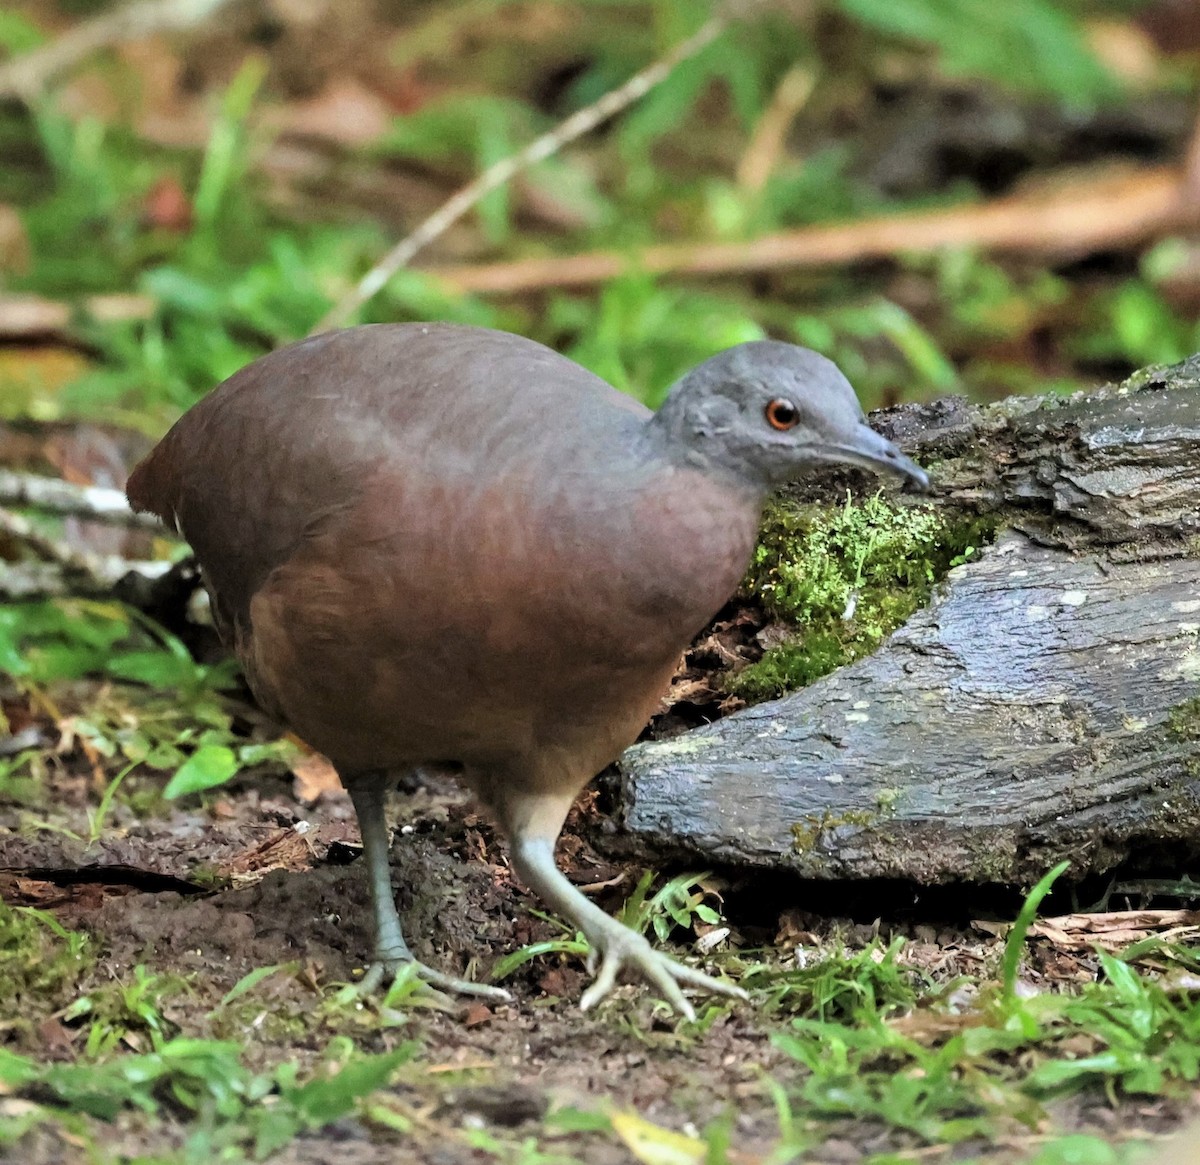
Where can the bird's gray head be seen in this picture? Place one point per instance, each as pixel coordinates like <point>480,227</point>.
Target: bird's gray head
<point>764,412</point>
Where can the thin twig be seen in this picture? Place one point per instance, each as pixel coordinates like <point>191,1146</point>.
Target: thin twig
<point>28,76</point>
<point>495,176</point>
<point>55,496</point>
<point>1076,217</point>
<point>762,154</point>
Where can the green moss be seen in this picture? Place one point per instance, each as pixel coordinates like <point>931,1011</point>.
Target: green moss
<point>1151,374</point>
<point>41,963</point>
<point>1183,721</point>
<point>807,834</point>
<point>791,665</point>
<point>846,578</point>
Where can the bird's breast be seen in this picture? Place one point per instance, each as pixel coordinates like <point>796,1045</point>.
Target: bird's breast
<point>673,550</point>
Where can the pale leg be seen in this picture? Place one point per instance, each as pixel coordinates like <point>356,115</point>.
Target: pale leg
<point>391,951</point>
<point>617,945</point>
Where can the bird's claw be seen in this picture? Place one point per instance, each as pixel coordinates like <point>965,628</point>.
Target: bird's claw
<point>624,948</point>
<point>389,968</point>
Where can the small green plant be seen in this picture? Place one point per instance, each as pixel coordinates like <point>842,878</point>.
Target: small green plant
<point>127,1014</point>
<point>874,1041</point>
<point>1015,943</point>
<point>569,943</point>
<point>18,785</point>
<point>164,711</point>
<point>232,1106</point>
<point>976,38</point>
<point>843,986</point>
<point>59,639</point>
<point>682,902</point>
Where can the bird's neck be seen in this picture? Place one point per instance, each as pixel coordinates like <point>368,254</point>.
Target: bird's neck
<point>690,538</point>
<point>693,438</point>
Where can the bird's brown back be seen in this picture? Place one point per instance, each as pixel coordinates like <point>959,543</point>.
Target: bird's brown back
<point>432,543</point>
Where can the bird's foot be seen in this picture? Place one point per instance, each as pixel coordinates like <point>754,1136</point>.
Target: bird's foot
<point>617,946</point>
<point>388,969</point>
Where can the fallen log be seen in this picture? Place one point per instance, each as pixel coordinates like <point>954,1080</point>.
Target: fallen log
<point>1044,705</point>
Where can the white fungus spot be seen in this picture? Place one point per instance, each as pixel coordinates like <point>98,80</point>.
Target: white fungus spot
<point>1073,598</point>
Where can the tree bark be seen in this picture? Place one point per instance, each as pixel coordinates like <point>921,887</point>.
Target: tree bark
<point>1045,705</point>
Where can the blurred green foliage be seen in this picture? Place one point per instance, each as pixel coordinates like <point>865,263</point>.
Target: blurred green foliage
<point>1029,44</point>
<point>243,279</point>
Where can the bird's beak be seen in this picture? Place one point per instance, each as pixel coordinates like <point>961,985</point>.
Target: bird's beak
<point>870,450</point>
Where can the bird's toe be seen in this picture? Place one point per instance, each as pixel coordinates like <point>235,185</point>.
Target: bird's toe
<point>389,969</point>
<point>627,949</point>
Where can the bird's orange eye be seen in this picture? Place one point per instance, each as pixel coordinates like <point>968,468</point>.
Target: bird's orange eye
<point>782,414</point>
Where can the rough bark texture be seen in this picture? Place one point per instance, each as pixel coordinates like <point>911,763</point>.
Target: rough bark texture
<point>1039,708</point>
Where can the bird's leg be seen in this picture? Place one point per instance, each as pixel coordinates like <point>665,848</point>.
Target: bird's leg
<point>391,951</point>
<point>617,945</point>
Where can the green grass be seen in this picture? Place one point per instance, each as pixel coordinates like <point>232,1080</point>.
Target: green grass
<point>154,708</point>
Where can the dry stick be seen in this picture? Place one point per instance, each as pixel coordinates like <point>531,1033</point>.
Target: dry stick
<point>60,570</point>
<point>766,144</point>
<point>29,75</point>
<point>1076,217</point>
<point>538,150</point>
<point>54,496</point>
<point>27,316</point>
<point>1191,163</point>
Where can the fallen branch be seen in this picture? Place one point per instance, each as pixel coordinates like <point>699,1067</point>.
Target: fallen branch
<point>28,76</point>
<point>1075,217</point>
<point>54,496</point>
<point>495,176</point>
<point>27,317</point>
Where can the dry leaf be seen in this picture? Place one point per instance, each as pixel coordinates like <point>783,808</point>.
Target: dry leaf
<point>653,1145</point>
<point>283,849</point>
<point>315,778</point>
<point>1112,929</point>
<point>14,242</point>
<point>477,1014</point>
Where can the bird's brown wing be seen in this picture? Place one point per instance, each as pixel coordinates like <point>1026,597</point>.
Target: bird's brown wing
<point>287,443</point>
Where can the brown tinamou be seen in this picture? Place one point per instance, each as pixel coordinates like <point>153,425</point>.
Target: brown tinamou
<point>434,546</point>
